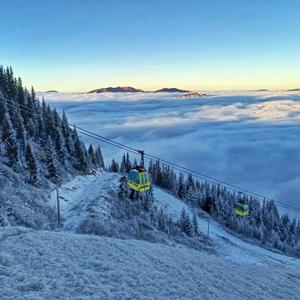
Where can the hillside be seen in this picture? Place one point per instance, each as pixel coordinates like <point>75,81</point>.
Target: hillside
<point>64,265</point>
<point>38,150</point>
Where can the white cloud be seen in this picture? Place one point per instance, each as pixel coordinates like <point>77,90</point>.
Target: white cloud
<point>248,139</point>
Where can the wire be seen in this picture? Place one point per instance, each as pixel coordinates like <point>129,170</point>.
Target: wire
<point>175,166</point>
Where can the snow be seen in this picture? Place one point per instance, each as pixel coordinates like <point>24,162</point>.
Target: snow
<point>84,191</point>
<point>64,265</point>
<point>77,195</point>
<point>60,265</point>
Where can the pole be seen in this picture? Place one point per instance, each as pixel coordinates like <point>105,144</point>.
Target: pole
<point>208,227</point>
<point>58,207</point>
<point>142,152</point>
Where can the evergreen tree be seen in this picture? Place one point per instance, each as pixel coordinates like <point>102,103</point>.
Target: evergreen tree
<point>20,130</point>
<point>91,154</point>
<point>195,223</point>
<point>128,165</point>
<point>12,151</point>
<point>81,160</point>
<point>50,163</point>
<point>114,166</point>
<point>181,187</point>
<point>134,163</point>
<point>99,158</point>
<point>32,164</point>
<point>123,193</point>
<point>3,109</point>
<point>123,164</point>
<point>185,223</point>
<point>7,129</point>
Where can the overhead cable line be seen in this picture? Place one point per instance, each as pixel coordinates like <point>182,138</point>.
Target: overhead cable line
<point>149,156</point>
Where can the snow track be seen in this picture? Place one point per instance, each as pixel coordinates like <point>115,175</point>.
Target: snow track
<point>85,195</point>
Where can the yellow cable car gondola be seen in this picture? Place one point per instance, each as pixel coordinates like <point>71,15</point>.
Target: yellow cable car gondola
<point>241,209</point>
<point>138,178</point>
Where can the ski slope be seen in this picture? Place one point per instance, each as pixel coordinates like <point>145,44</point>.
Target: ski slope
<point>64,265</point>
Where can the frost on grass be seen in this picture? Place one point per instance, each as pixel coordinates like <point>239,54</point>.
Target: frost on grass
<point>62,265</point>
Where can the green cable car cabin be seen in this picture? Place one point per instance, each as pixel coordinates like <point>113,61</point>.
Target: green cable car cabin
<point>241,209</point>
<point>139,180</point>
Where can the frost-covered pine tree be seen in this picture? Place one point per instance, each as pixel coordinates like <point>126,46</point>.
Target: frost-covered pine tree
<point>123,164</point>
<point>114,167</point>
<point>50,162</point>
<point>32,164</point>
<point>10,142</point>
<point>185,223</point>
<point>181,192</point>
<point>195,222</point>
<point>99,158</point>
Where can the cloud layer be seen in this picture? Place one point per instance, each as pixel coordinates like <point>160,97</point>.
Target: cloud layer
<point>248,139</point>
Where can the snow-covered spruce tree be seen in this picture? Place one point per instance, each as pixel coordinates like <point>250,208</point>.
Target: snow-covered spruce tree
<point>114,167</point>
<point>99,161</point>
<point>3,110</point>
<point>32,164</point>
<point>50,163</point>
<point>185,223</point>
<point>123,164</point>
<point>195,222</point>
<point>10,142</point>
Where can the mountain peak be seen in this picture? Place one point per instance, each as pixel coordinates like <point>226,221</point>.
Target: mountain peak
<point>171,90</point>
<point>118,89</point>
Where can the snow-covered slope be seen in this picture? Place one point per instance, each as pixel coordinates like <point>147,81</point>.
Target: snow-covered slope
<point>85,195</point>
<point>63,265</point>
<point>91,195</point>
<point>229,246</point>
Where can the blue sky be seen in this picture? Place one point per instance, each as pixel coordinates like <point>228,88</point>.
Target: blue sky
<point>81,45</point>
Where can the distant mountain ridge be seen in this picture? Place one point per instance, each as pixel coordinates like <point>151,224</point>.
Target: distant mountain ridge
<point>294,90</point>
<point>191,95</point>
<point>171,90</point>
<point>52,91</point>
<point>129,89</point>
<point>119,89</point>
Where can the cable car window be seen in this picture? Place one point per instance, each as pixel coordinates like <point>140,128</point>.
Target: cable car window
<point>142,179</point>
<point>133,176</point>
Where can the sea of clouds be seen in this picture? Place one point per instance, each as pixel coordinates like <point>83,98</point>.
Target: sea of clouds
<point>250,139</point>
